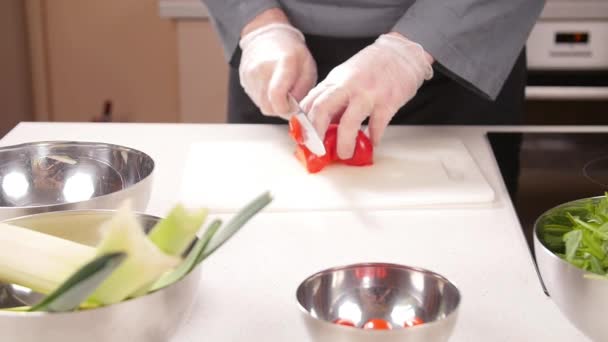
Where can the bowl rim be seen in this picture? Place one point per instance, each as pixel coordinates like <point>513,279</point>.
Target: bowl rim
<point>425,325</point>
<point>540,242</point>
<point>20,314</point>
<point>81,143</point>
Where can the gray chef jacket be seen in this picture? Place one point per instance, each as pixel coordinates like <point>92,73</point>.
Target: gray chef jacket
<point>477,41</point>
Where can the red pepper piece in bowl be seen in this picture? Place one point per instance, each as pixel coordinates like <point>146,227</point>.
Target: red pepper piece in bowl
<point>414,321</point>
<point>377,324</point>
<point>344,322</point>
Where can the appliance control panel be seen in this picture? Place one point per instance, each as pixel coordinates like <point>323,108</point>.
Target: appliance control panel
<point>568,45</point>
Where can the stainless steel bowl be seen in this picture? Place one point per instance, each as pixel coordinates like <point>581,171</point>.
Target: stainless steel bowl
<point>150,318</point>
<point>394,293</point>
<point>583,301</point>
<point>62,175</point>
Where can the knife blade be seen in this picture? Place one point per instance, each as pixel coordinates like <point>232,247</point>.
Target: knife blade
<point>310,138</point>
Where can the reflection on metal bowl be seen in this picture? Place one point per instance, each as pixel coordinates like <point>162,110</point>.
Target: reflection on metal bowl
<point>396,294</point>
<point>51,176</point>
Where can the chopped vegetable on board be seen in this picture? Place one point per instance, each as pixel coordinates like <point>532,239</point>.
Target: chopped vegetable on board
<point>362,156</point>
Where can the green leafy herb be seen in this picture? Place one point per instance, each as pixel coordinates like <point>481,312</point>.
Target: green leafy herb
<point>578,233</point>
<point>573,239</point>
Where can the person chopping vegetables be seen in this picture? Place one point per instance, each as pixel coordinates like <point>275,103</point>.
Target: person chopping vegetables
<point>377,61</point>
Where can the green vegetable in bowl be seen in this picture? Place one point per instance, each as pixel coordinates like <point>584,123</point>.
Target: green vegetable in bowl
<point>145,262</point>
<point>59,268</point>
<point>174,233</point>
<point>38,261</point>
<point>578,233</point>
<point>79,286</point>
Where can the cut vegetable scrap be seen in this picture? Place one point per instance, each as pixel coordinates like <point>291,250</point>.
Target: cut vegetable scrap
<point>144,263</point>
<point>175,233</point>
<point>362,156</point>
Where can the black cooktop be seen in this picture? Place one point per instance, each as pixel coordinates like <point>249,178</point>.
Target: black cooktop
<point>542,170</point>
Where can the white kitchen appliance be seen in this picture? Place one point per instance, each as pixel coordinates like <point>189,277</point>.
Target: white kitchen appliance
<point>567,52</point>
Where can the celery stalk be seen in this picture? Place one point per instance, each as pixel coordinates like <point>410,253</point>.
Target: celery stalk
<point>144,263</point>
<point>38,261</point>
<point>175,233</point>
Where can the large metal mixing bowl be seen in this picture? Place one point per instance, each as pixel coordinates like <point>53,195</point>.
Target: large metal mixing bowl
<point>63,175</point>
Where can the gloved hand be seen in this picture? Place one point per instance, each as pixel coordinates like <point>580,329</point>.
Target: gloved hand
<point>275,61</point>
<point>375,82</point>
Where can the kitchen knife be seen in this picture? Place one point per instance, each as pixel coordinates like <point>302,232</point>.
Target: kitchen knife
<point>310,138</point>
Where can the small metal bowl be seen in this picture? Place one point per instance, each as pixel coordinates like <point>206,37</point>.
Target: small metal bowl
<point>149,318</point>
<point>63,175</point>
<point>583,301</point>
<point>394,293</point>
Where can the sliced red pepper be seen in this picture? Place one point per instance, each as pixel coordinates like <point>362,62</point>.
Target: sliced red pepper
<point>312,162</point>
<point>331,141</point>
<point>364,152</point>
<point>295,130</point>
<point>364,149</point>
<point>362,156</point>
<point>377,324</point>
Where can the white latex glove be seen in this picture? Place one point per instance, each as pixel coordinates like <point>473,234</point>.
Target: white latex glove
<point>375,82</point>
<point>276,61</point>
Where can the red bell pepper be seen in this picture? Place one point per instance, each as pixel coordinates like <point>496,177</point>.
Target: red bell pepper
<point>364,149</point>
<point>362,156</point>
<point>312,162</point>
<point>295,130</point>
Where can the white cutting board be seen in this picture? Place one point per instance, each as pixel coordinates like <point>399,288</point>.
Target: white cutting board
<point>225,175</point>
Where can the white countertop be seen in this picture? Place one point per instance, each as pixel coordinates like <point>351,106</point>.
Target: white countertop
<point>248,287</point>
